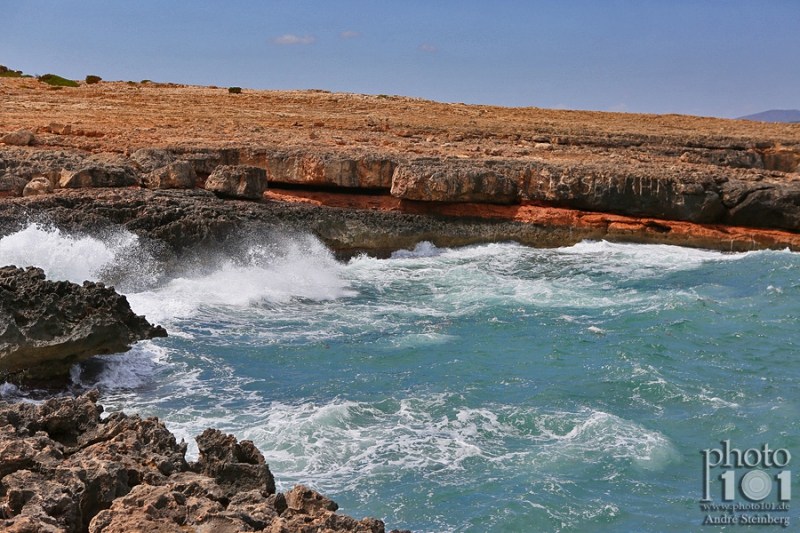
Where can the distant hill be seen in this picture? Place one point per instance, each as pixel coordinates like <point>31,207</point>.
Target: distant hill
<point>775,115</point>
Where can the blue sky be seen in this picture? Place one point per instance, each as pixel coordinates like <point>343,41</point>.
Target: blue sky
<point>713,58</point>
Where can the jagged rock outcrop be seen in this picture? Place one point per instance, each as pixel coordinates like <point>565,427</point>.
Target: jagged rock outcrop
<point>66,169</point>
<point>329,170</point>
<point>47,326</point>
<point>296,167</point>
<point>64,469</point>
<point>782,159</point>
<point>698,185</point>
<point>160,170</point>
<point>236,467</point>
<point>27,163</point>
<point>238,181</point>
<point>694,193</point>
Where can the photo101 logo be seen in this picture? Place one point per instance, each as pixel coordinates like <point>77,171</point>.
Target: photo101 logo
<point>755,485</point>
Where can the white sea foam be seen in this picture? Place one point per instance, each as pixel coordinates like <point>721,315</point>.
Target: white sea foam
<point>591,275</point>
<point>596,436</point>
<point>267,274</point>
<point>422,249</point>
<point>345,444</point>
<point>11,393</point>
<point>640,261</point>
<point>123,371</point>
<point>61,256</point>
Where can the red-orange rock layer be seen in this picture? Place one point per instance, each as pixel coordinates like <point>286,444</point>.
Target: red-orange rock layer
<point>613,227</point>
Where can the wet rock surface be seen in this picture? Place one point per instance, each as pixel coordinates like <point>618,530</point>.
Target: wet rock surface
<point>47,326</point>
<point>64,469</point>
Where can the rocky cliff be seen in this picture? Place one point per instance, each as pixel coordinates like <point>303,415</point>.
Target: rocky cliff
<point>744,194</point>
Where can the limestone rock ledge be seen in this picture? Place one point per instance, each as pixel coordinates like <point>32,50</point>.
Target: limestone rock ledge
<point>63,469</point>
<point>758,189</point>
<point>47,326</point>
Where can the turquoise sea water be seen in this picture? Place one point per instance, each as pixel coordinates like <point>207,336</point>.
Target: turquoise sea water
<point>488,388</point>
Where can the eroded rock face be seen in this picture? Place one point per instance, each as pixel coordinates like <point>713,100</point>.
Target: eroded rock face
<point>63,469</point>
<point>456,181</point>
<point>238,181</point>
<point>47,326</point>
<point>28,163</point>
<point>366,171</point>
<point>717,185</point>
<point>628,188</point>
<point>331,170</point>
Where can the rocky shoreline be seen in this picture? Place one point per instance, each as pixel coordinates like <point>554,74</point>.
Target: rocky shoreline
<point>64,469</point>
<point>698,193</point>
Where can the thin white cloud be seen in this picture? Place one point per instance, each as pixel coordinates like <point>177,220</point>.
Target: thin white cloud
<point>349,35</point>
<point>619,108</point>
<point>290,39</point>
<point>427,48</point>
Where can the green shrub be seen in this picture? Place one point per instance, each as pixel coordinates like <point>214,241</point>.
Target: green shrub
<point>132,83</point>
<point>146,81</point>
<point>6,72</point>
<point>57,81</point>
<point>234,90</point>
<point>93,79</point>
<point>382,96</point>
